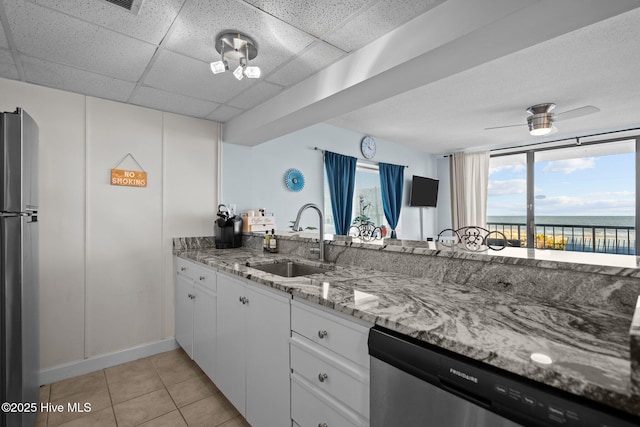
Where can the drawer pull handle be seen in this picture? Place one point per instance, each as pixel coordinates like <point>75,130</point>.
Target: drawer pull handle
<point>202,277</point>
<point>322,333</point>
<point>183,268</point>
<point>191,296</point>
<point>244,300</point>
<point>322,377</point>
<point>323,425</point>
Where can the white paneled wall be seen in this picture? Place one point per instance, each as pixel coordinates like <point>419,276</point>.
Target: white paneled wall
<point>105,251</point>
<point>124,228</point>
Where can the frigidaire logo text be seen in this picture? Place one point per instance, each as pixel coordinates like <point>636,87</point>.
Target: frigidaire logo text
<point>463,375</point>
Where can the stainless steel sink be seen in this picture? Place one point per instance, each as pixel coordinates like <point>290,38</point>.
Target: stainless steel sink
<point>290,269</point>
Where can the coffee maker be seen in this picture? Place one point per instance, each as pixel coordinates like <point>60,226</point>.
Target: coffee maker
<point>228,229</point>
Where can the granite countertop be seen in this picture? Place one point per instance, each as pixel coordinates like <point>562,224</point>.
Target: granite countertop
<point>589,346</point>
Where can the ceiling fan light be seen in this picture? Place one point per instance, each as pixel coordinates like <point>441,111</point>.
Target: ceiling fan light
<point>540,131</point>
<point>540,124</point>
<point>252,72</point>
<point>238,73</point>
<point>219,67</point>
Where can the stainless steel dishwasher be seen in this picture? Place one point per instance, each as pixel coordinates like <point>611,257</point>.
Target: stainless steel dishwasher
<point>417,384</point>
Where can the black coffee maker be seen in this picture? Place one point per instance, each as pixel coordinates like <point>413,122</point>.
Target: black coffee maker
<point>228,229</point>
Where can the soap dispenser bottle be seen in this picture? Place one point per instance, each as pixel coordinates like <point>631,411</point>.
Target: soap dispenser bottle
<point>273,243</point>
<point>265,242</point>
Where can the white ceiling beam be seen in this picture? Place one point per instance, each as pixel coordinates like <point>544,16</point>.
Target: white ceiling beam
<point>454,36</point>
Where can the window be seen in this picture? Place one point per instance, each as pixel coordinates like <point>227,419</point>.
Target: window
<point>507,196</point>
<point>581,198</point>
<point>367,198</point>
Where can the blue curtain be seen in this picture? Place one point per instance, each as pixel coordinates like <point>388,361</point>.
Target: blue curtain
<point>341,174</point>
<point>391,184</point>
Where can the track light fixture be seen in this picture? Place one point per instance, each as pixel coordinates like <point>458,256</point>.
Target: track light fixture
<point>238,47</point>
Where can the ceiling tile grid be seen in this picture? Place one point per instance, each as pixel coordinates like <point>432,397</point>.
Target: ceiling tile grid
<point>150,24</point>
<point>172,102</point>
<point>71,79</point>
<point>191,77</point>
<point>376,21</point>
<point>255,95</point>
<point>318,56</point>
<point>224,113</point>
<point>56,37</point>
<point>313,17</point>
<point>195,30</point>
<point>7,66</point>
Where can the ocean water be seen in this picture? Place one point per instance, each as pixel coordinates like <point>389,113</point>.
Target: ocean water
<point>602,221</point>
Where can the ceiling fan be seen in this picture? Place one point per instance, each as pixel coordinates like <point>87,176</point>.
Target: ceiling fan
<point>541,118</point>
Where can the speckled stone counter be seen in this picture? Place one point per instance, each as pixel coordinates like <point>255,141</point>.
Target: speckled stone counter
<point>473,307</point>
<point>634,346</point>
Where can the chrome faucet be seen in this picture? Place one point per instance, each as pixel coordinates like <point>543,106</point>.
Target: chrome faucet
<point>296,225</point>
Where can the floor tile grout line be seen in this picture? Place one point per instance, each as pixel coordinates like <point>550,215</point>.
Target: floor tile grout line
<point>165,387</point>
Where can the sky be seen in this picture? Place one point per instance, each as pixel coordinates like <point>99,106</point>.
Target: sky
<point>600,185</point>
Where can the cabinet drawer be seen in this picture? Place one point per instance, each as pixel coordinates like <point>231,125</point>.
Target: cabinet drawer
<point>308,409</point>
<point>346,338</point>
<point>345,381</point>
<point>198,273</point>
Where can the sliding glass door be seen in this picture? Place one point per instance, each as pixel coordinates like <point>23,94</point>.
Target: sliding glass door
<point>578,197</point>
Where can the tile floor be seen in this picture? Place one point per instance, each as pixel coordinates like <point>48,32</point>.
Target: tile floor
<point>167,389</point>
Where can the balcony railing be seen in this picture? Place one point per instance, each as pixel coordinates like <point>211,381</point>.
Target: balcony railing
<point>580,238</point>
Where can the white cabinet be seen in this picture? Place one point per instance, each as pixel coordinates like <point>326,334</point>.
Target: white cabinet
<point>184,313</point>
<point>329,368</point>
<point>196,313</point>
<point>253,368</point>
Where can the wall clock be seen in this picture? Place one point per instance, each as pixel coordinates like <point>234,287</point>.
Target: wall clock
<point>368,147</point>
<point>294,179</point>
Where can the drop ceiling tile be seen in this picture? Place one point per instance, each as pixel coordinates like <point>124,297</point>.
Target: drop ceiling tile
<point>224,113</point>
<point>200,21</point>
<point>381,18</point>
<point>312,60</point>
<point>187,76</point>
<point>151,24</point>
<point>172,102</point>
<point>259,92</point>
<point>71,79</point>
<point>314,17</point>
<point>3,38</point>
<point>56,37</point>
<point>7,66</point>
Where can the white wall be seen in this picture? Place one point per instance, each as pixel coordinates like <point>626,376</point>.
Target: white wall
<point>106,273</point>
<point>253,178</point>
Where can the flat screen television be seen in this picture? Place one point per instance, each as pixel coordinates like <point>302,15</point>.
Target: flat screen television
<point>424,191</point>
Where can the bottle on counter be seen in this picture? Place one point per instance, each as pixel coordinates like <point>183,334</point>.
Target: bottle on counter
<point>273,243</point>
<point>265,242</point>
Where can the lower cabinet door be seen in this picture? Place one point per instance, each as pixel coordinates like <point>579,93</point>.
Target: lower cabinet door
<point>184,313</point>
<point>268,332</point>
<point>204,330</point>
<point>230,346</point>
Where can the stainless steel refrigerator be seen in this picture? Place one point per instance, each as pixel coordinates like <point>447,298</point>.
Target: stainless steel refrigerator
<point>19,309</point>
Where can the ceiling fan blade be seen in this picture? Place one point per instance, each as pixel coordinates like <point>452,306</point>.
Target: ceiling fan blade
<point>577,112</point>
<point>507,126</point>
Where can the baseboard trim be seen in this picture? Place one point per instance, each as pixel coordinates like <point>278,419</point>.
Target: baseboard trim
<point>81,367</point>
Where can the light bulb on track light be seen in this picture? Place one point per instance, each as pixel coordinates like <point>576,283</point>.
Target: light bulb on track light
<point>219,67</point>
<point>238,73</point>
<point>252,72</point>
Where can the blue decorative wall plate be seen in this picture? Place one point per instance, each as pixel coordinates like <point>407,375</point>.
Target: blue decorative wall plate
<point>294,180</point>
